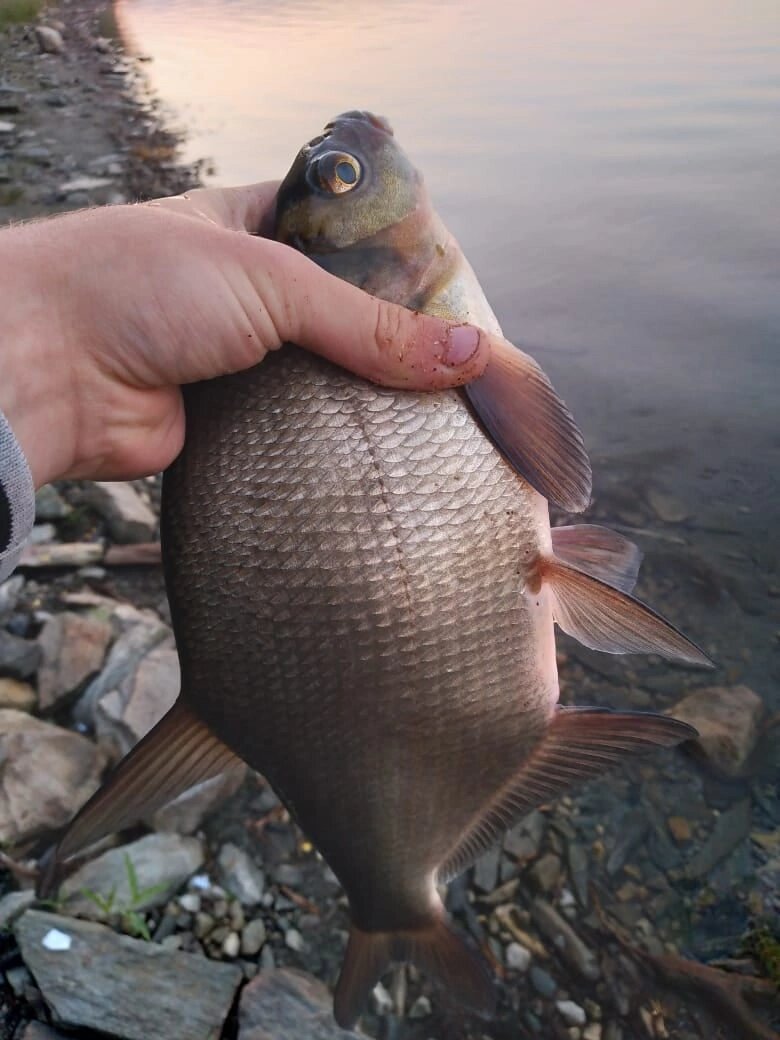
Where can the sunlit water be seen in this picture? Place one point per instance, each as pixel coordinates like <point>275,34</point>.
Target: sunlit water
<point>612,171</point>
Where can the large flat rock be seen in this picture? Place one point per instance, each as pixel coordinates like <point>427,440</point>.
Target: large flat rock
<point>126,988</point>
<point>288,1005</point>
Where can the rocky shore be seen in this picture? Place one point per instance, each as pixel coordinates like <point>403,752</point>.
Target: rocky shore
<point>644,905</point>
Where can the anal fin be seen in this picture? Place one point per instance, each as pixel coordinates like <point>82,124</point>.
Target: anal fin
<point>177,753</point>
<point>580,744</point>
<point>532,427</point>
<point>605,618</point>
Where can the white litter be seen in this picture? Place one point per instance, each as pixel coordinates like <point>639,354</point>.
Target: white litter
<point>56,940</point>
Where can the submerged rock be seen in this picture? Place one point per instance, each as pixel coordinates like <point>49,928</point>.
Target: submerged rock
<point>287,1005</point>
<point>240,876</point>
<point>185,814</point>
<point>727,718</point>
<point>91,977</point>
<point>46,773</point>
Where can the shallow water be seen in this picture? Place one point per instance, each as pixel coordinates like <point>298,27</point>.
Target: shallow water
<point>613,174</point>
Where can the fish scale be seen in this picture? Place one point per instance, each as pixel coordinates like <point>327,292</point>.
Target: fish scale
<point>445,602</point>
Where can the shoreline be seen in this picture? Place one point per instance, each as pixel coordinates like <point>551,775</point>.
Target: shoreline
<point>80,126</point>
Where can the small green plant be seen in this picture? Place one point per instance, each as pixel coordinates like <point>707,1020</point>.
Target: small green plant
<point>18,12</point>
<point>131,919</point>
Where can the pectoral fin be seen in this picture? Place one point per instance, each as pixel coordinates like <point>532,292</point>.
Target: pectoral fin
<point>532,427</point>
<point>177,753</point>
<point>605,618</point>
<point>580,743</point>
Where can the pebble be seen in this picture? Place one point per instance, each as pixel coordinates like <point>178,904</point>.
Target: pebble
<point>204,925</point>
<point>571,1013</point>
<point>592,1032</point>
<point>17,695</point>
<point>518,958</point>
<point>731,829</point>
<point>543,982</point>
<point>421,1008</point>
<point>558,931</point>
<point>546,871</point>
<point>239,875</point>
<point>49,40</point>
<point>231,945</point>
<point>191,902</point>
<point>13,904</point>
<point>253,937</point>
<point>679,828</point>
<point>294,940</point>
<point>381,1000</point>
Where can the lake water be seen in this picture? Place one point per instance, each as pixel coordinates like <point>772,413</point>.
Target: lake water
<point>612,171</point>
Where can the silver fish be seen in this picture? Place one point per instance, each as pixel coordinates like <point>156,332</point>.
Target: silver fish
<point>364,586</point>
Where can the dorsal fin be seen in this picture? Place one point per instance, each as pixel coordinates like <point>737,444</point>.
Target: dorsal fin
<point>532,427</point>
<point>580,743</point>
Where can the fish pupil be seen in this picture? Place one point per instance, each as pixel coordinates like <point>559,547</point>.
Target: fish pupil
<point>346,172</point>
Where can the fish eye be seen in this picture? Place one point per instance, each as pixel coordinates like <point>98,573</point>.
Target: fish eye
<point>337,172</point>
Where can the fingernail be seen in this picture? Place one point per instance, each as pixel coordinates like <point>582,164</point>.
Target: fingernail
<point>462,345</point>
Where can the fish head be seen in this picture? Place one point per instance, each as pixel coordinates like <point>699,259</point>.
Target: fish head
<point>355,204</point>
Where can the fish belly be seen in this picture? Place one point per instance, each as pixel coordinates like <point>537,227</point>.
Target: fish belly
<point>349,570</point>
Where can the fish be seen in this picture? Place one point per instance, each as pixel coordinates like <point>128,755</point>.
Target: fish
<point>364,586</point>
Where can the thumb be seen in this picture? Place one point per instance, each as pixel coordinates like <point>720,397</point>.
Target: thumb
<point>377,340</point>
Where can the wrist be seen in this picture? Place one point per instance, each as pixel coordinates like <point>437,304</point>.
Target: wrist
<point>36,392</point>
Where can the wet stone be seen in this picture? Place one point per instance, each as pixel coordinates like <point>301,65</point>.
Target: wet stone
<point>546,871</point>
<point>486,870</point>
<point>570,1012</point>
<point>731,828</point>
<point>631,832</point>
<point>287,1005</point>
<point>727,718</point>
<point>10,592</point>
<point>518,958</point>
<point>543,982</point>
<point>565,940</point>
<point>126,988</point>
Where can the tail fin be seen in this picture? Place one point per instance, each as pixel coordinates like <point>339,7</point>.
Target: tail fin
<point>436,949</point>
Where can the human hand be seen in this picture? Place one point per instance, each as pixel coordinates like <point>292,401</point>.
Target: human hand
<point>106,312</point>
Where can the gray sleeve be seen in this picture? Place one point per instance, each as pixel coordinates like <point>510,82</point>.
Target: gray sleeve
<point>17,499</point>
